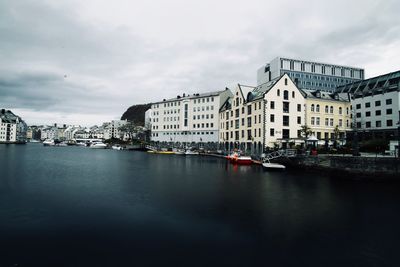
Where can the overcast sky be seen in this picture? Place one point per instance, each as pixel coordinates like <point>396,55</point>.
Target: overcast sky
<point>85,62</point>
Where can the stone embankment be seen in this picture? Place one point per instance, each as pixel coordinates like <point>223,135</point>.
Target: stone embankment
<point>357,167</point>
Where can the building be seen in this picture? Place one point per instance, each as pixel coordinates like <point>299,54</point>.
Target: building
<point>112,129</point>
<point>12,128</point>
<point>188,118</point>
<point>328,115</point>
<point>267,116</point>
<point>147,119</point>
<point>376,104</point>
<point>308,74</point>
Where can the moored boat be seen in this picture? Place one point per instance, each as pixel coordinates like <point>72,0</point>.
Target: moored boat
<point>49,142</point>
<point>273,166</point>
<point>98,145</point>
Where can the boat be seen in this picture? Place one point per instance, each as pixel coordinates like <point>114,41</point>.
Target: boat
<point>48,142</point>
<point>191,152</point>
<point>98,145</point>
<point>242,160</point>
<point>273,166</point>
<point>117,147</point>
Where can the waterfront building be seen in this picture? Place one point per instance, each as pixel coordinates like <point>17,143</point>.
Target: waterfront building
<point>376,104</point>
<point>188,118</point>
<point>147,119</point>
<point>112,129</point>
<point>267,116</point>
<point>309,74</point>
<point>12,128</point>
<point>328,115</point>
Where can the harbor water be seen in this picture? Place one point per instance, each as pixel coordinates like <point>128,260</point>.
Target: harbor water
<point>76,206</point>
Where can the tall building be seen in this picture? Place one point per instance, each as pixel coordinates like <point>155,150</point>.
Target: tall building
<point>308,74</point>
<point>12,128</point>
<point>376,105</point>
<point>188,118</point>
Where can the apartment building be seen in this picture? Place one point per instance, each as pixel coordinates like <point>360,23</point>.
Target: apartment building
<point>188,118</point>
<point>261,117</point>
<point>328,115</point>
<point>309,74</point>
<point>376,105</point>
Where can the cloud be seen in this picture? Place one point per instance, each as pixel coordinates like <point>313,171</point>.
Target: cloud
<point>90,60</point>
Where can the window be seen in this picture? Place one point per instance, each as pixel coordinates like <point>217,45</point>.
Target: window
<point>377,112</point>
<point>236,124</point>
<point>299,107</point>
<point>312,121</point>
<point>331,122</point>
<point>285,120</point>
<point>312,108</point>
<point>285,133</point>
<point>326,109</point>
<point>249,122</point>
<point>272,105</point>
<point>237,113</point>
<point>388,111</point>
<point>248,134</point>
<point>340,122</point>
<point>248,110</point>
<point>272,118</point>
<point>286,78</point>
<point>317,108</point>
<point>271,132</point>
<point>326,122</point>
<point>286,95</point>
<point>368,124</point>
<point>242,121</point>
<point>358,115</point>
<point>388,101</point>
<point>278,92</point>
<point>378,124</point>
<point>285,107</point>
<point>340,110</point>
<point>368,114</point>
<point>389,123</point>
<point>242,110</point>
<point>331,109</point>
<point>358,106</point>
<point>368,104</point>
<point>317,121</point>
<point>293,94</point>
<point>377,103</point>
<point>298,120</point>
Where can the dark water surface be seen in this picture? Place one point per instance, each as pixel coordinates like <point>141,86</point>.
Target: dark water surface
<point>77,206</point>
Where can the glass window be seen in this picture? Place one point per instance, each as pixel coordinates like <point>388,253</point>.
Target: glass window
<point>388,101</point>
<point>271,132</point>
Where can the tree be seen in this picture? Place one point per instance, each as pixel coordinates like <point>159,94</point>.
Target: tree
<point>129,128</point>
<point>336,133</point>
<point>305,132</point>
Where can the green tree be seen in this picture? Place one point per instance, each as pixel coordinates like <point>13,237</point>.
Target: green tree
<point>305,132</point>
<point>336,134</point>
<point>129,128</point>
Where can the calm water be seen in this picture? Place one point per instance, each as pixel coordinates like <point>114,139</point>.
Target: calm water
<point>76,206</point>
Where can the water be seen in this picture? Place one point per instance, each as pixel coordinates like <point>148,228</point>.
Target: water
<point>74,206</point>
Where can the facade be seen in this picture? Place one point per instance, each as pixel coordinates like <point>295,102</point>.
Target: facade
<point>188,118</point>
<point>308,74</point>
<point>112,129</point>
<point>12,128</point>
<point>326,112</point>
<point>266,116</point>
<point>376,104</point>
<point>147,119</point>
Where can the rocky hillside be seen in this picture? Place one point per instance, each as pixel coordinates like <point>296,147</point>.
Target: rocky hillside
<point>135,113</point>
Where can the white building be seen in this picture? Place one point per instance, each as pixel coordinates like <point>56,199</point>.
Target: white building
<point>188,118</point>
<point>148,115</point>
<point>308,74</point>
<point>376,104</point>
<point>12,128</point>
<point>112,129</point>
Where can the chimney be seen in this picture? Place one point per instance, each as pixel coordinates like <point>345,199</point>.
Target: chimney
<point>184,95</point>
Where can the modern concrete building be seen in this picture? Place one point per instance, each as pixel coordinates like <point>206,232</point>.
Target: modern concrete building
<point>326,112</point>
<point>376,104</point>
<point>12,128</point>
<point>188,118</point>
<point>309,74</point>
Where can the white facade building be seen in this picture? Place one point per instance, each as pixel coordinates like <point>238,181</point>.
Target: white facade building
<point>112,129</point>
<point>188,119</point>
<point>12,128</point>
<point>148,115</point>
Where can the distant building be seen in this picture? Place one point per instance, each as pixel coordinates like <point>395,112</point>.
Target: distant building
<point>376,104</point>
<point>188,118</point>
<point>12,128</point>
<point>112,130</point>
<point>309,74</point>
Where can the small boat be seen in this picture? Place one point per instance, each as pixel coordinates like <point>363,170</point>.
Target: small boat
<point>273,166</point>
<point>98,145</point>
<point>179,152</point>
<point>242,160</point>
<point>49,142</point>
<point>190,152</point>
<point>117,147</point>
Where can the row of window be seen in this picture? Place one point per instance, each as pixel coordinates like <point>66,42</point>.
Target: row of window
<point>204,125</point>
<point>333,71</point>
<point>285,93</point>
<point>377,103</point>
<point>316,108</point>
<point>250,135</point>
<point>203,108</point>
<point>184,133</point>
<point>328,122</point>
<point>378,124</point>
<point>203,116</point>
<point>389,111</point>
<point>243,122</point>
<point>203,100</point>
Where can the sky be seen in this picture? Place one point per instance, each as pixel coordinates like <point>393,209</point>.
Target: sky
<point>85,62</point>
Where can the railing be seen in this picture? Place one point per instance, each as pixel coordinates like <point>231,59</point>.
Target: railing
<point>280,153</point>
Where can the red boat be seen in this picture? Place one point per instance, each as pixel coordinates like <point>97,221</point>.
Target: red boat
<point>235,158</point>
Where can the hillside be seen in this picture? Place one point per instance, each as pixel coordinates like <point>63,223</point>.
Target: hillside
<point>135,113</point>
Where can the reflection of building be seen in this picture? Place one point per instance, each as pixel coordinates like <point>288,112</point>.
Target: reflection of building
<point>326,111</point>
<point>188,118</point>
<point>376,104</point>
<point>264,116</point>
<point>12,128</point>
<point>309,75</point>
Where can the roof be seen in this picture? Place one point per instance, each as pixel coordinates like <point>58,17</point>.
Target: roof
<point>318,94</point>
<point>376,85</point>
<point>193,96</point>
